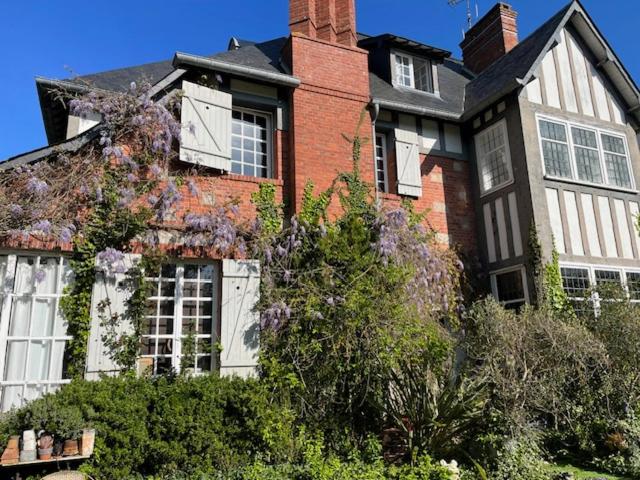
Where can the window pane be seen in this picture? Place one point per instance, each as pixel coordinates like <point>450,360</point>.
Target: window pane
<point>39,360</point>
<point>494,168</point>
<point>250,145</point>
<point>510,287</point>
<point>613,144</point>
<point>585,138</point>
<point>633,284</point>
<point>608,277</point>
<point>553,131</point>
<point>16,360</point>
<point>556,159</point>
<point>617,170</point>
<point>424,75</point>
<point>575,281</point>
<point>381,162</point>
<point>588,163</point>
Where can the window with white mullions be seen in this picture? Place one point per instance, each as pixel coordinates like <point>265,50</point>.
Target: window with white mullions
<point>32,357</point>
<point>587,155</point>
<point>381,162</point>
<point>404,70</point>
<point>633,285</point>
<point>608,278</point>
<point>576,282</point>
<point>494,159</point>
<point>555,149</point>
<point>414,72</point>
<point>179,329</point>
<point>616,161</point>
<point>250,143</point>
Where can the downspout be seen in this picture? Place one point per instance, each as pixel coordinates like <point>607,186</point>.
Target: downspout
<point>376,113</point>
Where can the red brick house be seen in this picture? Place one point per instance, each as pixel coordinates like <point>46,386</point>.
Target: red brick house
<point>540,132</point>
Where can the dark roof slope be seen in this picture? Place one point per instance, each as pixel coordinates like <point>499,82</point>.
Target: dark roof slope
<point>505,72</point>
<point>265,56</point>
<point>120,79</point>
<point>452,79</point>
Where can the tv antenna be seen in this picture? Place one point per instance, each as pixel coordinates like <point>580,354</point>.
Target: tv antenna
<point>453,3</point>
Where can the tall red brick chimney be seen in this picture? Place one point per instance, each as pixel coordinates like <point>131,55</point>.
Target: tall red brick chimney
<point>334,89</point>
<point>330,20</point>
<point>493,36</point>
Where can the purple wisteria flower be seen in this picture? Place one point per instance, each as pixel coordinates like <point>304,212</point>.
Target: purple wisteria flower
<point>40,276</point>
<point>43,226</point>
<point>111,261</point>
<point>37,186</point>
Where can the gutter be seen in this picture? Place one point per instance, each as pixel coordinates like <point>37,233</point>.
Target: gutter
<point>408,108</point>
<point>240,70</point>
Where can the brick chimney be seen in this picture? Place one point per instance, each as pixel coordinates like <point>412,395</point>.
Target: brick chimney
<point>329,20</point>
<point>493,36</point>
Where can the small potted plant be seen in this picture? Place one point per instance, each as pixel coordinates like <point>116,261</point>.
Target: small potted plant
<point>45,446</point>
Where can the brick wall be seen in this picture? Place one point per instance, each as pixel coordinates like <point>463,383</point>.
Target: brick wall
<point>328,103</point>
<point>447,197</point>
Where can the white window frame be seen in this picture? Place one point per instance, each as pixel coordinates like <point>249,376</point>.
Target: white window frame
<point>572,154</point>
<point>178,299</point>
<point>591,268</point>
<point>429,65</point>
<point>525,286</point>
<point>399,79</point>
<point>269,118</point>
<point>384,160</point>
<point>502,124</point>
<point>6,300</point>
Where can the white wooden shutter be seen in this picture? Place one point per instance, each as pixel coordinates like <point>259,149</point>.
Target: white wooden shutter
<point>106,287</point>
<point>408,163</point>
<point>240,328</point>
<point>206,127</point>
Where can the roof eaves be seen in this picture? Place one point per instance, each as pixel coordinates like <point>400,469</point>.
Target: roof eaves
<point>414,109</point>
<point>70,145</point>
<point>181,59</point>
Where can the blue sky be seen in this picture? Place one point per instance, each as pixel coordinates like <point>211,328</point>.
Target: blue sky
<point>61,38</point>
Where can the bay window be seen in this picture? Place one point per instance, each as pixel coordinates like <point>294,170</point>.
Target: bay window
<point>587,154</point>
<point>33,332</point>
<point>179,329</point>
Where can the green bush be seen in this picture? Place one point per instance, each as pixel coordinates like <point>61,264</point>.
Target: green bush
<point>200,425</point>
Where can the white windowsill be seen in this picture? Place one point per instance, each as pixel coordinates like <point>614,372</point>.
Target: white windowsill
<point>592,185</point>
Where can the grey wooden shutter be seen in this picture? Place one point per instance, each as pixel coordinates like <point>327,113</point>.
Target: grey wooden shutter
<point>239,330</point>
<point>206,127</point>
<point>408,163</point>
<point>106,287</point>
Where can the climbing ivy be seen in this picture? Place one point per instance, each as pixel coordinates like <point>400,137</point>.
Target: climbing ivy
<point>269,211</point>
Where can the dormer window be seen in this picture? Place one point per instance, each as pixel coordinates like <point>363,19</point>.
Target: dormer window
<point>413,72</point>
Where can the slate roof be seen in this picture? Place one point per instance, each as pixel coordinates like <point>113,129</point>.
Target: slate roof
<point>264,56</point>
<point>504,73</point>
<point>452,79</point>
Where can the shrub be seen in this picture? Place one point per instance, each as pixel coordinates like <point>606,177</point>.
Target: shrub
<point>199,425</point>
<point>520,459</point>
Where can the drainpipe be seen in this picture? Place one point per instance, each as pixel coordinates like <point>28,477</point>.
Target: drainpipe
<point>376,113</point>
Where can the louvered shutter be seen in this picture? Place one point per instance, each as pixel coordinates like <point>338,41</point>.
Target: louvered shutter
<point>112,288</point>
<point>239,330</point>
<point>408,163</point>
<point>206,127</point>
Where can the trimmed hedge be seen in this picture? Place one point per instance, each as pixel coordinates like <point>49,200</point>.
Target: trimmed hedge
<point>148,427</point>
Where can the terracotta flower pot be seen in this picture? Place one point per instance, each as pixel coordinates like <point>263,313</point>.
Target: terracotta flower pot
<point>45,453</point>
<point>11,454</point>
<point>70,448</point>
